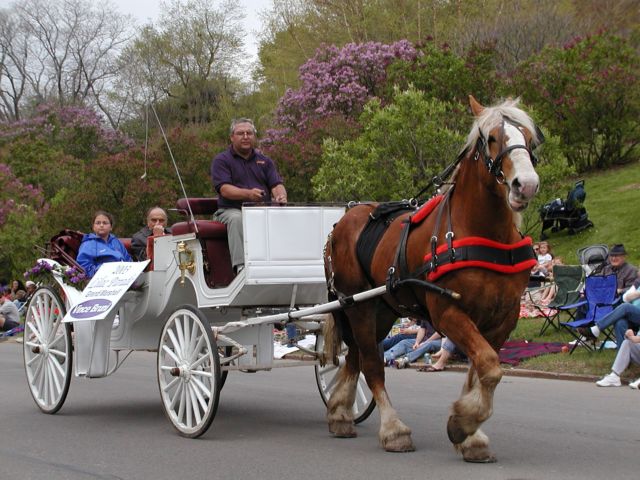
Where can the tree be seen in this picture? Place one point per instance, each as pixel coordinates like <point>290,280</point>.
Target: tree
<point>411,139</point>
<point>335,85</point>
<point>21,207</point>
<point>61,51</point>
<point>187,62</point>
<point>587,92</point>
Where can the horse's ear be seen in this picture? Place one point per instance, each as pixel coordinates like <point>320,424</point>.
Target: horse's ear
<point>476,108</point>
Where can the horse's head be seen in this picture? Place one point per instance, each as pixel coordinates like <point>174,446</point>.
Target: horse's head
<point>503,137</point>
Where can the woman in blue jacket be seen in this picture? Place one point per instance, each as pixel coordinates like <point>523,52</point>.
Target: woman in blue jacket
<point>101,246</point>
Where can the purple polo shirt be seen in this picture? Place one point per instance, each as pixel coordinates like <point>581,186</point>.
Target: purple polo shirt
<point>258,171</point>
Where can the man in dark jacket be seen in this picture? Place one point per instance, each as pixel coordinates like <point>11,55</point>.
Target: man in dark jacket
<point>156,226</point>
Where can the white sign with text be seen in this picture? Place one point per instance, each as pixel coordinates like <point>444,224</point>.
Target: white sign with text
<point>105,289</point>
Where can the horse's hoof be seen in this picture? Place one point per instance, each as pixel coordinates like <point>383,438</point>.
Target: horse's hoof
<point>343,430</point>
<point>480,457</point>
<point>475,449</point>
<point>400,445</point>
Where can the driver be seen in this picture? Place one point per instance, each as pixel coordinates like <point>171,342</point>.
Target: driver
<point>243,174</point>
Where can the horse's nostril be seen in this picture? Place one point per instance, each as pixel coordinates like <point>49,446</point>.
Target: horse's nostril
<point>516,183</point>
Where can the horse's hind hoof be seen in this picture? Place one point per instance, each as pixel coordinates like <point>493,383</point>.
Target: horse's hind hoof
<point>343,430</point>
<point>400,445</point>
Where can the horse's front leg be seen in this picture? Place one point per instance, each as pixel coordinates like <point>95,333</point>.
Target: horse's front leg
<point>475,404</point>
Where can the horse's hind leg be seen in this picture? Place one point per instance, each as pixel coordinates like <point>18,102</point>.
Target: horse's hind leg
<point>394,435</point>
<point>340,404</point>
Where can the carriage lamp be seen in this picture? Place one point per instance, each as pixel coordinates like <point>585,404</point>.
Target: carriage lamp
<point>185,261</point>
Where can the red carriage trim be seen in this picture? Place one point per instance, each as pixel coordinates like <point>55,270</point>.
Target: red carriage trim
<point>426,209</point>
<point>506,267</point>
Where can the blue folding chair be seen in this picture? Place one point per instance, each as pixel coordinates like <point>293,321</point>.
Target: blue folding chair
<point>599,299</point>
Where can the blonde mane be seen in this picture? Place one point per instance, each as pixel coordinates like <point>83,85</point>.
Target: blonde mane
<point>492,117</point>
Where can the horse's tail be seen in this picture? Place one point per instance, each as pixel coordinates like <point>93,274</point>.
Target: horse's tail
<point>332,339</point>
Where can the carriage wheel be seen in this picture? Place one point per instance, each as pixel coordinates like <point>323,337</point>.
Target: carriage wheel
<point>47,350</point>
<point>188,372</point>
<point>364,403</point>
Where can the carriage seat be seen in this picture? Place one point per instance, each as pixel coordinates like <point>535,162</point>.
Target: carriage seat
<point>63,247</point>
<point>212,236</point>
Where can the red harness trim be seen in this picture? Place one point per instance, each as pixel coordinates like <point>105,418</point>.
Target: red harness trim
<point>426,209</point>
<point>480,241</point>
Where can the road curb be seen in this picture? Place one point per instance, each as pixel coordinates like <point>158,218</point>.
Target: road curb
<point>521,372</point>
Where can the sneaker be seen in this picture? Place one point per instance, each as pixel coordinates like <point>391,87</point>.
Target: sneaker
<point>611,380</point>
<point>635,384</point>
<point>402,362</point>
<point>586,332</point>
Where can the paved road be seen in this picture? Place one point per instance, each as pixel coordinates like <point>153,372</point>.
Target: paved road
<point>270,425</point>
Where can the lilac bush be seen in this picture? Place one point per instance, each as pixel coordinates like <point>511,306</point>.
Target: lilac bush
<point>16,196</point>
<point>339,80</point>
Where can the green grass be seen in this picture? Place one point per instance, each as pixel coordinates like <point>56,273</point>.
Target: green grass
<point>613,204</point>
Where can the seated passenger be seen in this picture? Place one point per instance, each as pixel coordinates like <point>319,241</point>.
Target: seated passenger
<point>101,246</point>
<point>243,174</point>
<point>156,226</point>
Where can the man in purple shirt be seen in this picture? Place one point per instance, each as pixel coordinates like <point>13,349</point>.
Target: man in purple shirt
<point>242,174</point>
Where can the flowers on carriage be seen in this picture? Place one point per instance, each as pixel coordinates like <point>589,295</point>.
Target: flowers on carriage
<point>42,274</point>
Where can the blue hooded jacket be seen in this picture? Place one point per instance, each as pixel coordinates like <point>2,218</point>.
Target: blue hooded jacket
<point>94,251</point>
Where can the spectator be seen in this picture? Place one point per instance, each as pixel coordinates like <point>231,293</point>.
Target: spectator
<point>243,174</point>
<point>21,297</point>
<point>442,357</point>
<point>406,332</point>
<point>629,352</point>
<point>617,264</point>
<point>101,246</point>
<point>156,226</point>
<point>16,285</point>
<point>408,351</point>
<point>9,316</point>
<point>622,317</point>
<point>31,288</point>
<point>545,260</point>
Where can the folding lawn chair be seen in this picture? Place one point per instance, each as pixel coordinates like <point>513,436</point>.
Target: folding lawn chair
<point>599,299</point>
<point>568,280</point>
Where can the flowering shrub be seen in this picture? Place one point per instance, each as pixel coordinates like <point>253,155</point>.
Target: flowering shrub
<point>588,93</point>
<point>42,273</point>
<point>16,196</point>
<point>339,80</point>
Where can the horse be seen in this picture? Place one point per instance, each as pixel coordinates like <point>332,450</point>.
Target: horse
<point>463,267</point>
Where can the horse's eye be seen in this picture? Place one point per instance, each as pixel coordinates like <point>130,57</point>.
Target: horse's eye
<point>492,138</point>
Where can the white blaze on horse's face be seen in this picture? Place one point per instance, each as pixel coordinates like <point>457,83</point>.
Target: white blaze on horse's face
<point>522,179</point>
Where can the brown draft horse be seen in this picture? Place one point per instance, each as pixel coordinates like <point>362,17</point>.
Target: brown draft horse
<point>493,181</point>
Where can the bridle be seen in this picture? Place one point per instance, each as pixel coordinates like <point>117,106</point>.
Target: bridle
<point>494,165</point>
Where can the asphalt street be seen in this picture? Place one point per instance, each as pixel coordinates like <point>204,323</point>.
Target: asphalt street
<point>270,425</point>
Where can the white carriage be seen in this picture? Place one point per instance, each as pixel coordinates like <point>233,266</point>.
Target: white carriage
<point>202,321</point>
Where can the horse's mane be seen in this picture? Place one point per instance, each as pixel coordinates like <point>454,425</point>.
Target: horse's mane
<point>493,116</point>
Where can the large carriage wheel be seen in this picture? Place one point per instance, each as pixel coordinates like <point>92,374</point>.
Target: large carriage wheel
<point>188,372</point>
<point>47,350</point>
<point>364,403</point>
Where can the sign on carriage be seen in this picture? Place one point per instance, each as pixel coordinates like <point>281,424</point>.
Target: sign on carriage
<point>105,289</point>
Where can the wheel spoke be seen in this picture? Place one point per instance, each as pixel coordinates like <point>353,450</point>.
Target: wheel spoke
<point>169,385</point>
<point>176,345</point>
<point>180,335</point>
<point>55,382</point>
<point>201,388</point>
<point>168,351</point>
<point>195,399</point>
<point>176,395</point>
